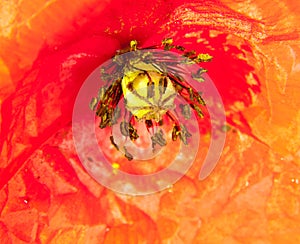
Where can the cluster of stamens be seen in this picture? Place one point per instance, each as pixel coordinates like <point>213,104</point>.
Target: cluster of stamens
<point>149,87</point>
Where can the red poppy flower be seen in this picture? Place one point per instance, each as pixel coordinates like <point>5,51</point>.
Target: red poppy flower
<point>50,48</point>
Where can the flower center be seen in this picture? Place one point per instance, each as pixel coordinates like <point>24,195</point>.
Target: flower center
<point>148,94</point>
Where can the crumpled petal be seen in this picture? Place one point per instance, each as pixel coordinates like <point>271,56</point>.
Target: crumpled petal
<point>46,196</point>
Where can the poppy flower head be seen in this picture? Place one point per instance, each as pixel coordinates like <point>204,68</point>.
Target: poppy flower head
<point>149,82</point>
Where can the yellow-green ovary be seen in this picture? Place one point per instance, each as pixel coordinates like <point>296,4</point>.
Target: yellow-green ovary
<point>137,100</point>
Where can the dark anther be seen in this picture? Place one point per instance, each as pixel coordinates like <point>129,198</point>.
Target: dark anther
<point>113,142</point>
<point>185,111</point>
<point>175,132</point>
<point>158,138</point>
<point>132,132</point>
<point>184,134</point>
<point>128,155</point>
<point>149,123</point>
<point>124,128</point>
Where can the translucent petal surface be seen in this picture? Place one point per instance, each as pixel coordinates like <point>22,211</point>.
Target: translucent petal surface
<point>48,48</point>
